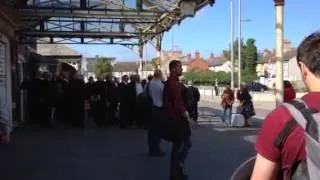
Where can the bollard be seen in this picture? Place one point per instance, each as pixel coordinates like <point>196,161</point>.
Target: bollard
<point>86,113</point>
<point>212,94</point>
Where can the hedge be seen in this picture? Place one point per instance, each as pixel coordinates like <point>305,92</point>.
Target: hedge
<point>209,77</point>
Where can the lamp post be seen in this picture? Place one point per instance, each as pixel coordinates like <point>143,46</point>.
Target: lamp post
<point>239,43</point>
<point>232,40</point>
<point>279,50</point>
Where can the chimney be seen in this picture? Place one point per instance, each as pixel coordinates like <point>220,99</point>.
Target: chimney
<point>287,45</point>
<point>266,53</point>
<point>197,55</point>
<point>211,56</point>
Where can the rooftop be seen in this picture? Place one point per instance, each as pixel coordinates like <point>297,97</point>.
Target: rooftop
<point>102,21</point>
<point>56,50</point>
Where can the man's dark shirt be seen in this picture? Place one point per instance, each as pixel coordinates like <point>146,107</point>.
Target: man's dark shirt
<point>172,99</point>
<point>112,95</point>
<point>100,89</point>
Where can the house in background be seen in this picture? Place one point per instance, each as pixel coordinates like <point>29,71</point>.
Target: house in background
<point>219,64</point>
<point>198,63</point>
<point>266,67</point>
<point>121,68</point>
<point>167,57</point>
<point>50,55</point>
<point>147,69</point>
<point>87,67</point>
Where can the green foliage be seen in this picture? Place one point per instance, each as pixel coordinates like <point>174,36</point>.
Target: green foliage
<point>251,57</point>
<point>103,67</point>
<point>207,77</point>
<point>248,65</point>
<point>155,62</point>
<point>227,53</point>
<point>249,77</point>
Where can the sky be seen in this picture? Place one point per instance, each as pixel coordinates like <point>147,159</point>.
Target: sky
<point>209,31</point>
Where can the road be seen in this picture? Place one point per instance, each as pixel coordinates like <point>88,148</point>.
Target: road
<point>262,108</point>
<point>114,154</point>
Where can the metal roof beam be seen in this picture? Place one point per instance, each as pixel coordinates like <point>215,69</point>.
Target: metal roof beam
<point>123,21</point>
<point>88,13</point>
<point>94,43</point>
<point>78,34</point>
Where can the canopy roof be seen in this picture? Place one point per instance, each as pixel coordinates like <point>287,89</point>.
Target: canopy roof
<point>125,22</point>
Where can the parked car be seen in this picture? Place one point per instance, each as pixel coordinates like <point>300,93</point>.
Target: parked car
<point>255,86</point>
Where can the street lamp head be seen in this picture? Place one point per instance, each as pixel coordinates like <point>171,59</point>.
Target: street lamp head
<point>279,2</point>
<point>246,20</point>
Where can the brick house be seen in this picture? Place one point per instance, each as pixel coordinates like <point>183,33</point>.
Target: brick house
<point>198,63</point>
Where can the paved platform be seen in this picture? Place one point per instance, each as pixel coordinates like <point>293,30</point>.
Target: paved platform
<point>114,154</point>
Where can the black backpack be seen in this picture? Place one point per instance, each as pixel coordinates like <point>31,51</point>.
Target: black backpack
<point>192,96</point>
<point>145,100</point>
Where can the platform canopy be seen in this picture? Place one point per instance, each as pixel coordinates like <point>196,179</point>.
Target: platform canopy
<point>125,22</point>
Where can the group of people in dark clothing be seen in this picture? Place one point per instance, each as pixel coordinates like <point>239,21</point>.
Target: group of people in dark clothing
<point>66,98</point>
<point>58,98</point>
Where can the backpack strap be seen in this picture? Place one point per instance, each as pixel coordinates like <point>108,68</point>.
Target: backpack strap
<point>301,114</point>
<point>284,133</point>
<point>304,116</point>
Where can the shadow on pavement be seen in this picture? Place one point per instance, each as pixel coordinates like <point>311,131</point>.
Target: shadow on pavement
<point>114,154</point>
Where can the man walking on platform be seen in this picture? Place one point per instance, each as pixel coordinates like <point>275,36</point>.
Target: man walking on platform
<point>177,114</point>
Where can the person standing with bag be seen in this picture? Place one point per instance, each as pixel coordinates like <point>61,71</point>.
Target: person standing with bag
<point>178,116</point>
<point>155,91</point>
<point>246,104</point>
<point>226,103</point>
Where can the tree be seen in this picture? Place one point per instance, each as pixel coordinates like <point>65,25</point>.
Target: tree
<point>103,67</point>
<point>227,53</point>
<point>155,62</point>
<point>251,57</point>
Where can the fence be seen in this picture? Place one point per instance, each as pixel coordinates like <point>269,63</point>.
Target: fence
<point>208,93</point>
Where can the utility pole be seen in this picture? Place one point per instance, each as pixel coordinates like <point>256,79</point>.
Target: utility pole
<point>158,48</point>
<point>279,51</point>
<point>140,60</point>
<point>239,44</point>
<point>232,49</point>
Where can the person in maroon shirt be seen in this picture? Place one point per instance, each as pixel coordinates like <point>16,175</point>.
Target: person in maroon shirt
<point>177,114</point>
<point>289,93</point>
<point>272,162</point>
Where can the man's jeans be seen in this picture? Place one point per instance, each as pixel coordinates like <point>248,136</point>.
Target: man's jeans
<point>227,115</point>
<point>179,151</point>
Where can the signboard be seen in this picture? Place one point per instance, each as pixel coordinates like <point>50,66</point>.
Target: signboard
<point>2,65</point>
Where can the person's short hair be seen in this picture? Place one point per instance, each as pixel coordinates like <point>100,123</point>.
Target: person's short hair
<point>173,64</point>
<point>125,77</point>
<point>150,77</point>
<point>309,53</point>
<point>157,73</point>
<point>133,77</point>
